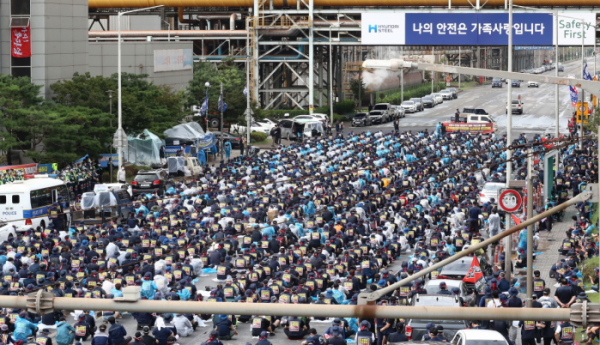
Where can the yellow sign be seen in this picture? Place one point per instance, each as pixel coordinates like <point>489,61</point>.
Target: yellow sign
<point>594,101</point>
<point>586,112</point>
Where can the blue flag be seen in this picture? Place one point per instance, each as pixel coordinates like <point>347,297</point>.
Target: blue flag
<point>204,107</point>
<point>586,73</point>
<point>222,106</point>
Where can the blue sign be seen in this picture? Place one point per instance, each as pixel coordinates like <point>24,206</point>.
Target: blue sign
<point>104,157</point>
<point>440,29</point>
<point>483,29</point>
<point>36,212</point>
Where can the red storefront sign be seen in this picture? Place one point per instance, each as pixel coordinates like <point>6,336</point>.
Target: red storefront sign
<point>21,42</point>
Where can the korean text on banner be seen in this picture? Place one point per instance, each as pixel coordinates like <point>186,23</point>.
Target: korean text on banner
<point>26,168</point>
<point>469,127</point>
<point>21,42</point>
<point>173,60</point>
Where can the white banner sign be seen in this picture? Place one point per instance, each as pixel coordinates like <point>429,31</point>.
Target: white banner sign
<point>569,29</point>
<point>382,28</point>
<point>173,60</point>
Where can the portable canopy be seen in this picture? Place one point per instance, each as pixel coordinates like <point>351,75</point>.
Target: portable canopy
<point>144,149</point>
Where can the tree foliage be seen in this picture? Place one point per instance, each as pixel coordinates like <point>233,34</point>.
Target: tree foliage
<point>233,79</point>
<point>145,105</point>
<point>355,86</point>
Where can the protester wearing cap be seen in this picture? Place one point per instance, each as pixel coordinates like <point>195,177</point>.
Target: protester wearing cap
<point>213,339</point>
<point>137,339</point>
<point>101,337</point>
<point>225,327</point>
<point>364,336</point>
<point>65,333</point>
<point>117,333</point>
<point>23,327</point>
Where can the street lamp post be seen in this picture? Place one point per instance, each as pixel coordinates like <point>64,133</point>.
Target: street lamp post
<point>169,30</point>
<point>110,93</point>
<point>207,86</point>
<point>120,133</point>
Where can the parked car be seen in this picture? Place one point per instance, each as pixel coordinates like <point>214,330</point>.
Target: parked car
<point>458,269</point>
<point>478,336</point>
<point>428,102</point>
<point>386,111</point>
<point>323,117</point>
<point>516,83</point>
<point>517,106</point>
<point>308,128</point>
<point>561,68</point>
<point>490,190</point>
<point>417,328</point>
<point>532,84</point>
<point>438,98</point>
<point>409,106</point>
<point>454,92</point>
<point>418,103</point>
<point>151,182</point>
<point>496,82</point>
<point>447,95</point>
<point>234,140</point>
<point>240,129</point>
<point>378,116</point>
<point>399,111</point>
<point>361,120</point>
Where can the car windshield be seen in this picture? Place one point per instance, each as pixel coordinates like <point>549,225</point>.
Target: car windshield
<point>408,103</point>
<point>493,187</point>
<point>445,91</point>
<point>380,107</point>
<point>461,265</point>
<point>146,178</point>
<point>496,79</point>
<point>359,116</point>
<point>427,98</point>
<point>515,102</point>
<point>415,99</point>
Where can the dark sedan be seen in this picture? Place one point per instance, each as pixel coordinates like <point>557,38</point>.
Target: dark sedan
<point>361,119</point>
<point>428,102</point>
<point>234,140</point>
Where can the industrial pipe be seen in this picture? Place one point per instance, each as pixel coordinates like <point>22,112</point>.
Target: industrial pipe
<point>371,297</point>
<point>336,3</point>
<point>164,33</point>
<point>314,310</point>
<point>185,21</point>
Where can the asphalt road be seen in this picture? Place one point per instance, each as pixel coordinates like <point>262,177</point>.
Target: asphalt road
<point>538,116</point>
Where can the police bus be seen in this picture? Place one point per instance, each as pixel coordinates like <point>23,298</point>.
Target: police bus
<point>27,204</point>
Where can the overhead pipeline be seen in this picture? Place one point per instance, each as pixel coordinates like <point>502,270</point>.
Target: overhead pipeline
<point>333,3</point>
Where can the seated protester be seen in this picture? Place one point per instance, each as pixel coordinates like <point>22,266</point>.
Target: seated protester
<point>225,327</point>
<point>336,337</point>
<point>295,328</point>
<point>214,339</point>
<point>101,337</point>
<point>262,340</point>
<point>444,289</point>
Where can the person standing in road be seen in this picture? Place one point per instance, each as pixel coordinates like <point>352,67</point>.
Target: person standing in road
<point>457,116</point>
<point>242,142</point>
<point>396,125</point>
<point>122,176</point>
<point>494,223</point>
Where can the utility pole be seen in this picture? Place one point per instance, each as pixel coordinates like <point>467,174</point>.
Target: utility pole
<point>582,77</point>
<point>556,131</point>
<point>222,101</point>
<point>432,73</point>
<point>530,227</point>
<point>507,240</point>
<point>110,161</point>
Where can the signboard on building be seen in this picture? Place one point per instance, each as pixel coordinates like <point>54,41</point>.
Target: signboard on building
<point>173,60</point>
<point>531,30</point>
<point>482,29</point>
<point>569,28</point>
<point>20,42</point>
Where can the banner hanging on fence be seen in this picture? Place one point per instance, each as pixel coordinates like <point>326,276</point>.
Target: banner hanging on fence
<point>469,127</point>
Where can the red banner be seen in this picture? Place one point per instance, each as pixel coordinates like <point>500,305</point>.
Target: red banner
<point>21,42</point>
<point>469,127</point>
<point>475,275</point>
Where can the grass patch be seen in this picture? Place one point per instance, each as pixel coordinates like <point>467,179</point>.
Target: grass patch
<point>262,142</point>
<point>464,86</point>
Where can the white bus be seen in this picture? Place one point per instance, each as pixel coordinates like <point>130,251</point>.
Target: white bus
<point>25,204</point>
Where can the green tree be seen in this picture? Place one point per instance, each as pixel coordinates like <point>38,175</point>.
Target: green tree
<point>145,105</point>
<point>593,121</point>
<point>74,132</point>
<point>19,99</point>
<point>233,79</point>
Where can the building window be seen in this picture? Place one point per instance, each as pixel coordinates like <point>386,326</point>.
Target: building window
<point>20,7</point>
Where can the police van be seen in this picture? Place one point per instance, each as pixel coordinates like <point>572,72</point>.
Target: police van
<point>26,204</point>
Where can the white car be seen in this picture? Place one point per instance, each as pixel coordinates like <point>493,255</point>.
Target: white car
<point>446,94</point>
<point>255,127</point>
<point>409,106</point>
<point>438,98</point>
<point>478,336</point>
<point>490,191</point>
<point>267,123</point>
<point>533,84</point>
